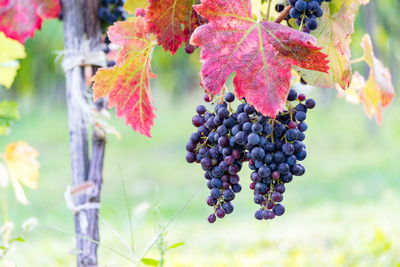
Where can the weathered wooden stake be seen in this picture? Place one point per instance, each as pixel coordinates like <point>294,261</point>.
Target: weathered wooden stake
<point>82,24</point>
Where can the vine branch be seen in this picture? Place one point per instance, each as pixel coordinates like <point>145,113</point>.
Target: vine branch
<point>283,15</point>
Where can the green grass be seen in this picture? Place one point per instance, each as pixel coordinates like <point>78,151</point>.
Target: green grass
<point>343,212</point>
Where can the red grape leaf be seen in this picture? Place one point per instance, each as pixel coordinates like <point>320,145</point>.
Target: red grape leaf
<point>127,84</point>
<point>172,21</point>
<point>261,54</point>
<point>20,18</point>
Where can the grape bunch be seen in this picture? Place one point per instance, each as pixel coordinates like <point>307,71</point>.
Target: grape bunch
<point>225,139</point>
<point>220,156</point>
<point>110,11</point>
<point>275,153</point>
<point>305,12</point>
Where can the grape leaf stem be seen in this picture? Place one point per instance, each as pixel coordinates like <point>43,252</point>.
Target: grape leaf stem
<point>357,60</point>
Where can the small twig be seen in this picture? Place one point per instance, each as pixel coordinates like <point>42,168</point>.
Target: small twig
<point>283,15</point>
<point>163,229</point>
<point>90,240</point>
<point>115,232</point>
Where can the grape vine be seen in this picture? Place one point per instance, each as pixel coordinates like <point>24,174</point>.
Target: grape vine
<point>226,138</point>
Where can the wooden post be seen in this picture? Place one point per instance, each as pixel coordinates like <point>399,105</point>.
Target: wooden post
<point>82,24</point>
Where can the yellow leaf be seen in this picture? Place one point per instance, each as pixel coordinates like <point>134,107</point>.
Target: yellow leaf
<point>334,36</point>
<point>131,5</point>
<point>22,167</point>
<point>10,51</point>
<point>352,94</point>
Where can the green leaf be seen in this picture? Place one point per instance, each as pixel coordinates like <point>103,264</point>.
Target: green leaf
<point>17,239</point>
<point>150,262</point>
<point>177,245</point>
<point>8,113</point>
<point>334,7</point>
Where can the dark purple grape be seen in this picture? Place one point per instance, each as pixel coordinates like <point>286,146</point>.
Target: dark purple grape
<point>198,120</point>
<point>310,103</point>
<point>220,213</point>
<point>258,215</point>
<point>278,210</point>
<point>201,109</point>
<point>212,218</point>
<point>229,97</point>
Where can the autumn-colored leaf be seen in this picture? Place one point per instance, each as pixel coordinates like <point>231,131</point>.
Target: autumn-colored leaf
<point>172,21</point>
<point>378,92</point>
<point>23,167</point>
<point>10,51</point>
<point>333,34</point>
<point>127,84</point>
<point>261,53</point>
<point>20,18</point>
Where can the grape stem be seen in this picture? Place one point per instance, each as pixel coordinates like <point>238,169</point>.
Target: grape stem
<point>283,15</point>
<point>272,135</point>
<point>269,9</point>
<point>302,22</point>
<point>357,60</point>
<point>291,111</point>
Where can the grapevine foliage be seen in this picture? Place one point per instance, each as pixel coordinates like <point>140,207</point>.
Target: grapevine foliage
<point>334,36</point>
<point>377,92</point>
<point>267,49</point>
<point>20,18</point>
<point>261,54</point>
<point>127,84</point>
<point>173,21</point>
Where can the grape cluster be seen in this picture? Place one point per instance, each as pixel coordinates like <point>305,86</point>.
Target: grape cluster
<point>305,12</point>
<point>275,154</point>
<point>273,147</point>
<point>111,11</point>
<point>220,156</point>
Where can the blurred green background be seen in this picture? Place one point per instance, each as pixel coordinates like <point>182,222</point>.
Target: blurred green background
<point>344,212</point>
